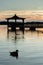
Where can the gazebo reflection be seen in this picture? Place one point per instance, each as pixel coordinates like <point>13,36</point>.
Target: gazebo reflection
<point>15,36</point>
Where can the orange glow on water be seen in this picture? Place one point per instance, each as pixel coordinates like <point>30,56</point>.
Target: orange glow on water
<point>3,32</point>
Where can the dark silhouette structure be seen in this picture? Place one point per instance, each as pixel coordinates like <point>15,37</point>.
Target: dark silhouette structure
<point>32,25</point>
<point>14,53</point>
<point>15,24</point>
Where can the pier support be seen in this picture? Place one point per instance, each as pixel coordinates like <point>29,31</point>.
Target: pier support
<point>32,28</point>
<point>22,26</point>
<point>13,28</point>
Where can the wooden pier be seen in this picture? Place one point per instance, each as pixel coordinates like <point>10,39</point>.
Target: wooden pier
<point>22,25</point>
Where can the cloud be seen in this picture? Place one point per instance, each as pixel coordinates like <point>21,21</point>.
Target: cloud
<point>28,14</point>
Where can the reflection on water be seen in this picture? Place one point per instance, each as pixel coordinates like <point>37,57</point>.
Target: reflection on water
<point>15,35</point>
<point>29,44</point>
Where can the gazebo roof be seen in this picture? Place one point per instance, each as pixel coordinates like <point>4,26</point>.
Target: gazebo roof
<point>14,17</point>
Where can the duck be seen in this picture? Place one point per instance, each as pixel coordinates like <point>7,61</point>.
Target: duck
<point>14,53</point>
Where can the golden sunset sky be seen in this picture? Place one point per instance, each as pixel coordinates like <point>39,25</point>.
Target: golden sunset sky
<point>28,14</point>
<point>30,9</point>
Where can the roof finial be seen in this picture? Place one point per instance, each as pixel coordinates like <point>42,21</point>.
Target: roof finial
<point>15,14</point>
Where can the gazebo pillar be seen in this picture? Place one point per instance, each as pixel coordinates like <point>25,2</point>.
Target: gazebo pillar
<point>7,25</point>
<point>14,26</point>
<point>22,26</point>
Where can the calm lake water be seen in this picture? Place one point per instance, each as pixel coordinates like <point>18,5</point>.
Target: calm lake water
<point>29,44</point>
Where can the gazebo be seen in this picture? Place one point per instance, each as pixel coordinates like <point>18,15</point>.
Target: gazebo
<point>14,24</point>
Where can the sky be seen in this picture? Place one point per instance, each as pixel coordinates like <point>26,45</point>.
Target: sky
<point>21,5</point>
<point>27,8</point>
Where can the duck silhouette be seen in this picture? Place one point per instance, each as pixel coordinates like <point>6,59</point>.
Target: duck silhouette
<point>14,53</point>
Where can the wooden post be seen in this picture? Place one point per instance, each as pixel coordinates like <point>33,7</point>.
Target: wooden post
<point>7,25</point>
<point>23,26</point>
<point>7,28</point>
<point>15,25</point>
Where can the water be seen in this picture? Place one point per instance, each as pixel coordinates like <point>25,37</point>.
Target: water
<point>30,46</point>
